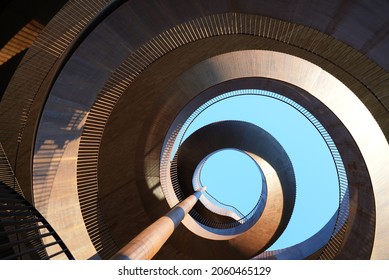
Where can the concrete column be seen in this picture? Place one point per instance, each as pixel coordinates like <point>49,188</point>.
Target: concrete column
<point>146,244</point>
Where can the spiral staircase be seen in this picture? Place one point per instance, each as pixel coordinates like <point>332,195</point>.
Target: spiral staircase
<point>94,95</point>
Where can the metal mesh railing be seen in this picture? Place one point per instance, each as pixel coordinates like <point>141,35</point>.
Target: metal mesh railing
<point>7,175</point>
<point>22,230</point>
<point>22,227</point>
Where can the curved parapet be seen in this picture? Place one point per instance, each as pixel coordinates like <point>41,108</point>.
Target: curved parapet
<point>254,141</point>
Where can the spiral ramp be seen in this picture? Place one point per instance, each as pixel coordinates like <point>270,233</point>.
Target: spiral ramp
<point>103,87</point>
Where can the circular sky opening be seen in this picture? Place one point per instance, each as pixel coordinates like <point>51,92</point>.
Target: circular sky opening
<point>304,139</point>
<point>232,179</point>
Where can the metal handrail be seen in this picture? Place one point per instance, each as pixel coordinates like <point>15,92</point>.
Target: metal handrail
<point>259,207</point>
<point>24,230</point>
<point>224,205</point>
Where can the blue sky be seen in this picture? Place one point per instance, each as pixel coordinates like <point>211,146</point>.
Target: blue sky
<point>219,172</point>
<point>316,177</point>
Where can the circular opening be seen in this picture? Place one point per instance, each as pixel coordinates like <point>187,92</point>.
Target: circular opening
<point>232,179</point>
<point>315,159</point>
